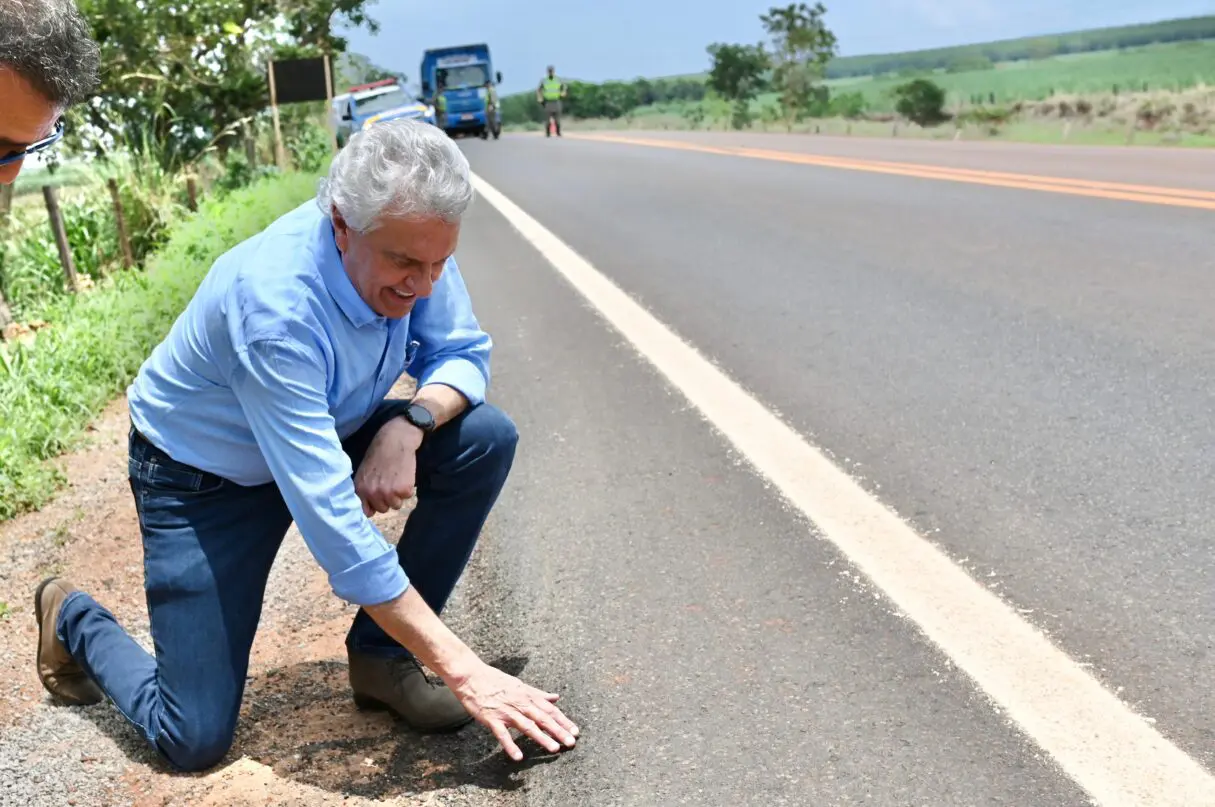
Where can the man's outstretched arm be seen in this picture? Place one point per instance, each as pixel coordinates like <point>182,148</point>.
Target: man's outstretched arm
<point>281,389</point>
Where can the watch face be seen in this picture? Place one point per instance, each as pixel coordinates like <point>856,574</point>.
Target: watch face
<point>421,417</point>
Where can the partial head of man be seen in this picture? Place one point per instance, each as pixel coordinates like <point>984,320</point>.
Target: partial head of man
<point>396,194</point>
<point>48,62</point>
<point>552,71</point>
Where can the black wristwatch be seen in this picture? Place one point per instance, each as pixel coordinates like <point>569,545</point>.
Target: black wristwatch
<point>419,416</point>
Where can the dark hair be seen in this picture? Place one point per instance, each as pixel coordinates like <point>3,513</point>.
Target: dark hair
<point>49,44</point>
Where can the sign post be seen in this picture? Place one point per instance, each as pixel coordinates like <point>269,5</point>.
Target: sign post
<point>301,80</point>
<point>330,123</point>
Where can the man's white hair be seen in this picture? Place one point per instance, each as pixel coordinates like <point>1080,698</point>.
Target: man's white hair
<point>398,168</point>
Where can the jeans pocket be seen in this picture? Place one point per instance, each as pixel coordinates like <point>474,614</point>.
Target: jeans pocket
<point>157,476</point>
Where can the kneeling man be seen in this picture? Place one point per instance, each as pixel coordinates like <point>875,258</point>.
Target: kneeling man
<point>267,404</point>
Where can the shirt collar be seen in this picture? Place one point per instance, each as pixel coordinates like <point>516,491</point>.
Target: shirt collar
<point>333,272</point>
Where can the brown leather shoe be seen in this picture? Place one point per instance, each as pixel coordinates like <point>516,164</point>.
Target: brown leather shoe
<point>399,685</point>
<point>57,670</point>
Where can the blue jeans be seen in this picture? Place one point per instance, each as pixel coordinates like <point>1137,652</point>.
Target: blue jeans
<point>208,548</point>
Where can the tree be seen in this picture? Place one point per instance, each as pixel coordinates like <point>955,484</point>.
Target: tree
<point>920,101</point>
<point>802,45</point>
<point>352,69</point>
<point>182,77</point>
<point>738,76</point>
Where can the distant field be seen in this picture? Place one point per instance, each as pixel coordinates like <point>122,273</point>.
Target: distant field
<point>31,180</point>
<point>1173,66</point>
<point>1034,47</point>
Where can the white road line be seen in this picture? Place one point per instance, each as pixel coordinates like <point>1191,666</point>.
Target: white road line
<point>1110,751</point>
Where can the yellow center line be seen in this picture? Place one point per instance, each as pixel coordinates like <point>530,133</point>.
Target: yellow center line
<point>1144,194</point>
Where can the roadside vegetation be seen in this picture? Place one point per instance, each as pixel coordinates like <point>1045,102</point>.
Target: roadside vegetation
<point>1143,84</point>
<point>53,385</point>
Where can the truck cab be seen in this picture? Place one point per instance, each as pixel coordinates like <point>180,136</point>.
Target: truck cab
<point>461,74</point>
<point>366,104</point>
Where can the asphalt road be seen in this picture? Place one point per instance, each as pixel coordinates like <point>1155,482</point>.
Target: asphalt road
<point>1026,377</point>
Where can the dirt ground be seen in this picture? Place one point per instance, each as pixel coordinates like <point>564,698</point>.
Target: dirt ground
<point>300,741</point>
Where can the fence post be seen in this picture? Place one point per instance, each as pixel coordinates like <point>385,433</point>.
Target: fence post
<point>192,194</point>
<point>250,145</point>
<point>331,123</point>
<point>280,155</point>
<point>124,240</point>
<point>6,201</point>
<point>65,250</point>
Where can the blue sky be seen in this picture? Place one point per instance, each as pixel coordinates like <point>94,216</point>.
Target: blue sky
<point>596,40</point>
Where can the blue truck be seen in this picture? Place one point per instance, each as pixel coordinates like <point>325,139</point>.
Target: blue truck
<point>461,74</point>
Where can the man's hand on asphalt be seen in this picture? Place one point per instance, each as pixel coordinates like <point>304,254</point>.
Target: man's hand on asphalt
<point>385,479</point>
<point>501,702</point>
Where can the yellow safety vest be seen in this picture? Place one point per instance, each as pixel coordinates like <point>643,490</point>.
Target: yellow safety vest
<point>552,89</point>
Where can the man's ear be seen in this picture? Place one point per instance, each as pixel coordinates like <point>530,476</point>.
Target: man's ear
<point>341,230</point>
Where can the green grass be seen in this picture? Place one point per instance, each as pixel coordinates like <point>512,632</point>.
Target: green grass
<point>1174,66</point>
<point>52,387</point>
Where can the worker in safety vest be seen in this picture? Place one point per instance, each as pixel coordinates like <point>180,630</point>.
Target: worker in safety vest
<point>441,102</point>
<point>549,93</point>
<point>491,105</point>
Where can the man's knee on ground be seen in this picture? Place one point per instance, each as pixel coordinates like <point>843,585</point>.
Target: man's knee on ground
<point>196,748</point>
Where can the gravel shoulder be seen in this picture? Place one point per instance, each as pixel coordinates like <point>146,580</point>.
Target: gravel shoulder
<point>300,741</point>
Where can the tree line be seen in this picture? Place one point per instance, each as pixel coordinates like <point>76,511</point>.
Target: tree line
<point>611,99</point>
<point>971,57</point>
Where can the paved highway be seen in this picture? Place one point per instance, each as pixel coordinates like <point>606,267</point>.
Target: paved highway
<point>1021,368</point>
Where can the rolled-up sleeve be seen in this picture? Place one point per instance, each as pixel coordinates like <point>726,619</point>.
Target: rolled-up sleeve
<point>281,388</point>
<point>452,348</point>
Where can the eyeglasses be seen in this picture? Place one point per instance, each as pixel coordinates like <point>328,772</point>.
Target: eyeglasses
<point>33,148</point>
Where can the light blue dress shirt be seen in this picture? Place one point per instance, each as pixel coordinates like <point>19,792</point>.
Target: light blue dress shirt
<point>277,359</point>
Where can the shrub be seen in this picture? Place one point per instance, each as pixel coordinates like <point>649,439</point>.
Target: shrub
<point>849,105</point>
<point>921,101</point>
<point>310,146</point>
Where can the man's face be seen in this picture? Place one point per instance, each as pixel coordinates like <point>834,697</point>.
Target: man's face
<point>397,262</point>
<point>27,118</point>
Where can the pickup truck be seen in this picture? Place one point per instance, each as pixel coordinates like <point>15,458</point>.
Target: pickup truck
<point>367,104</point>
